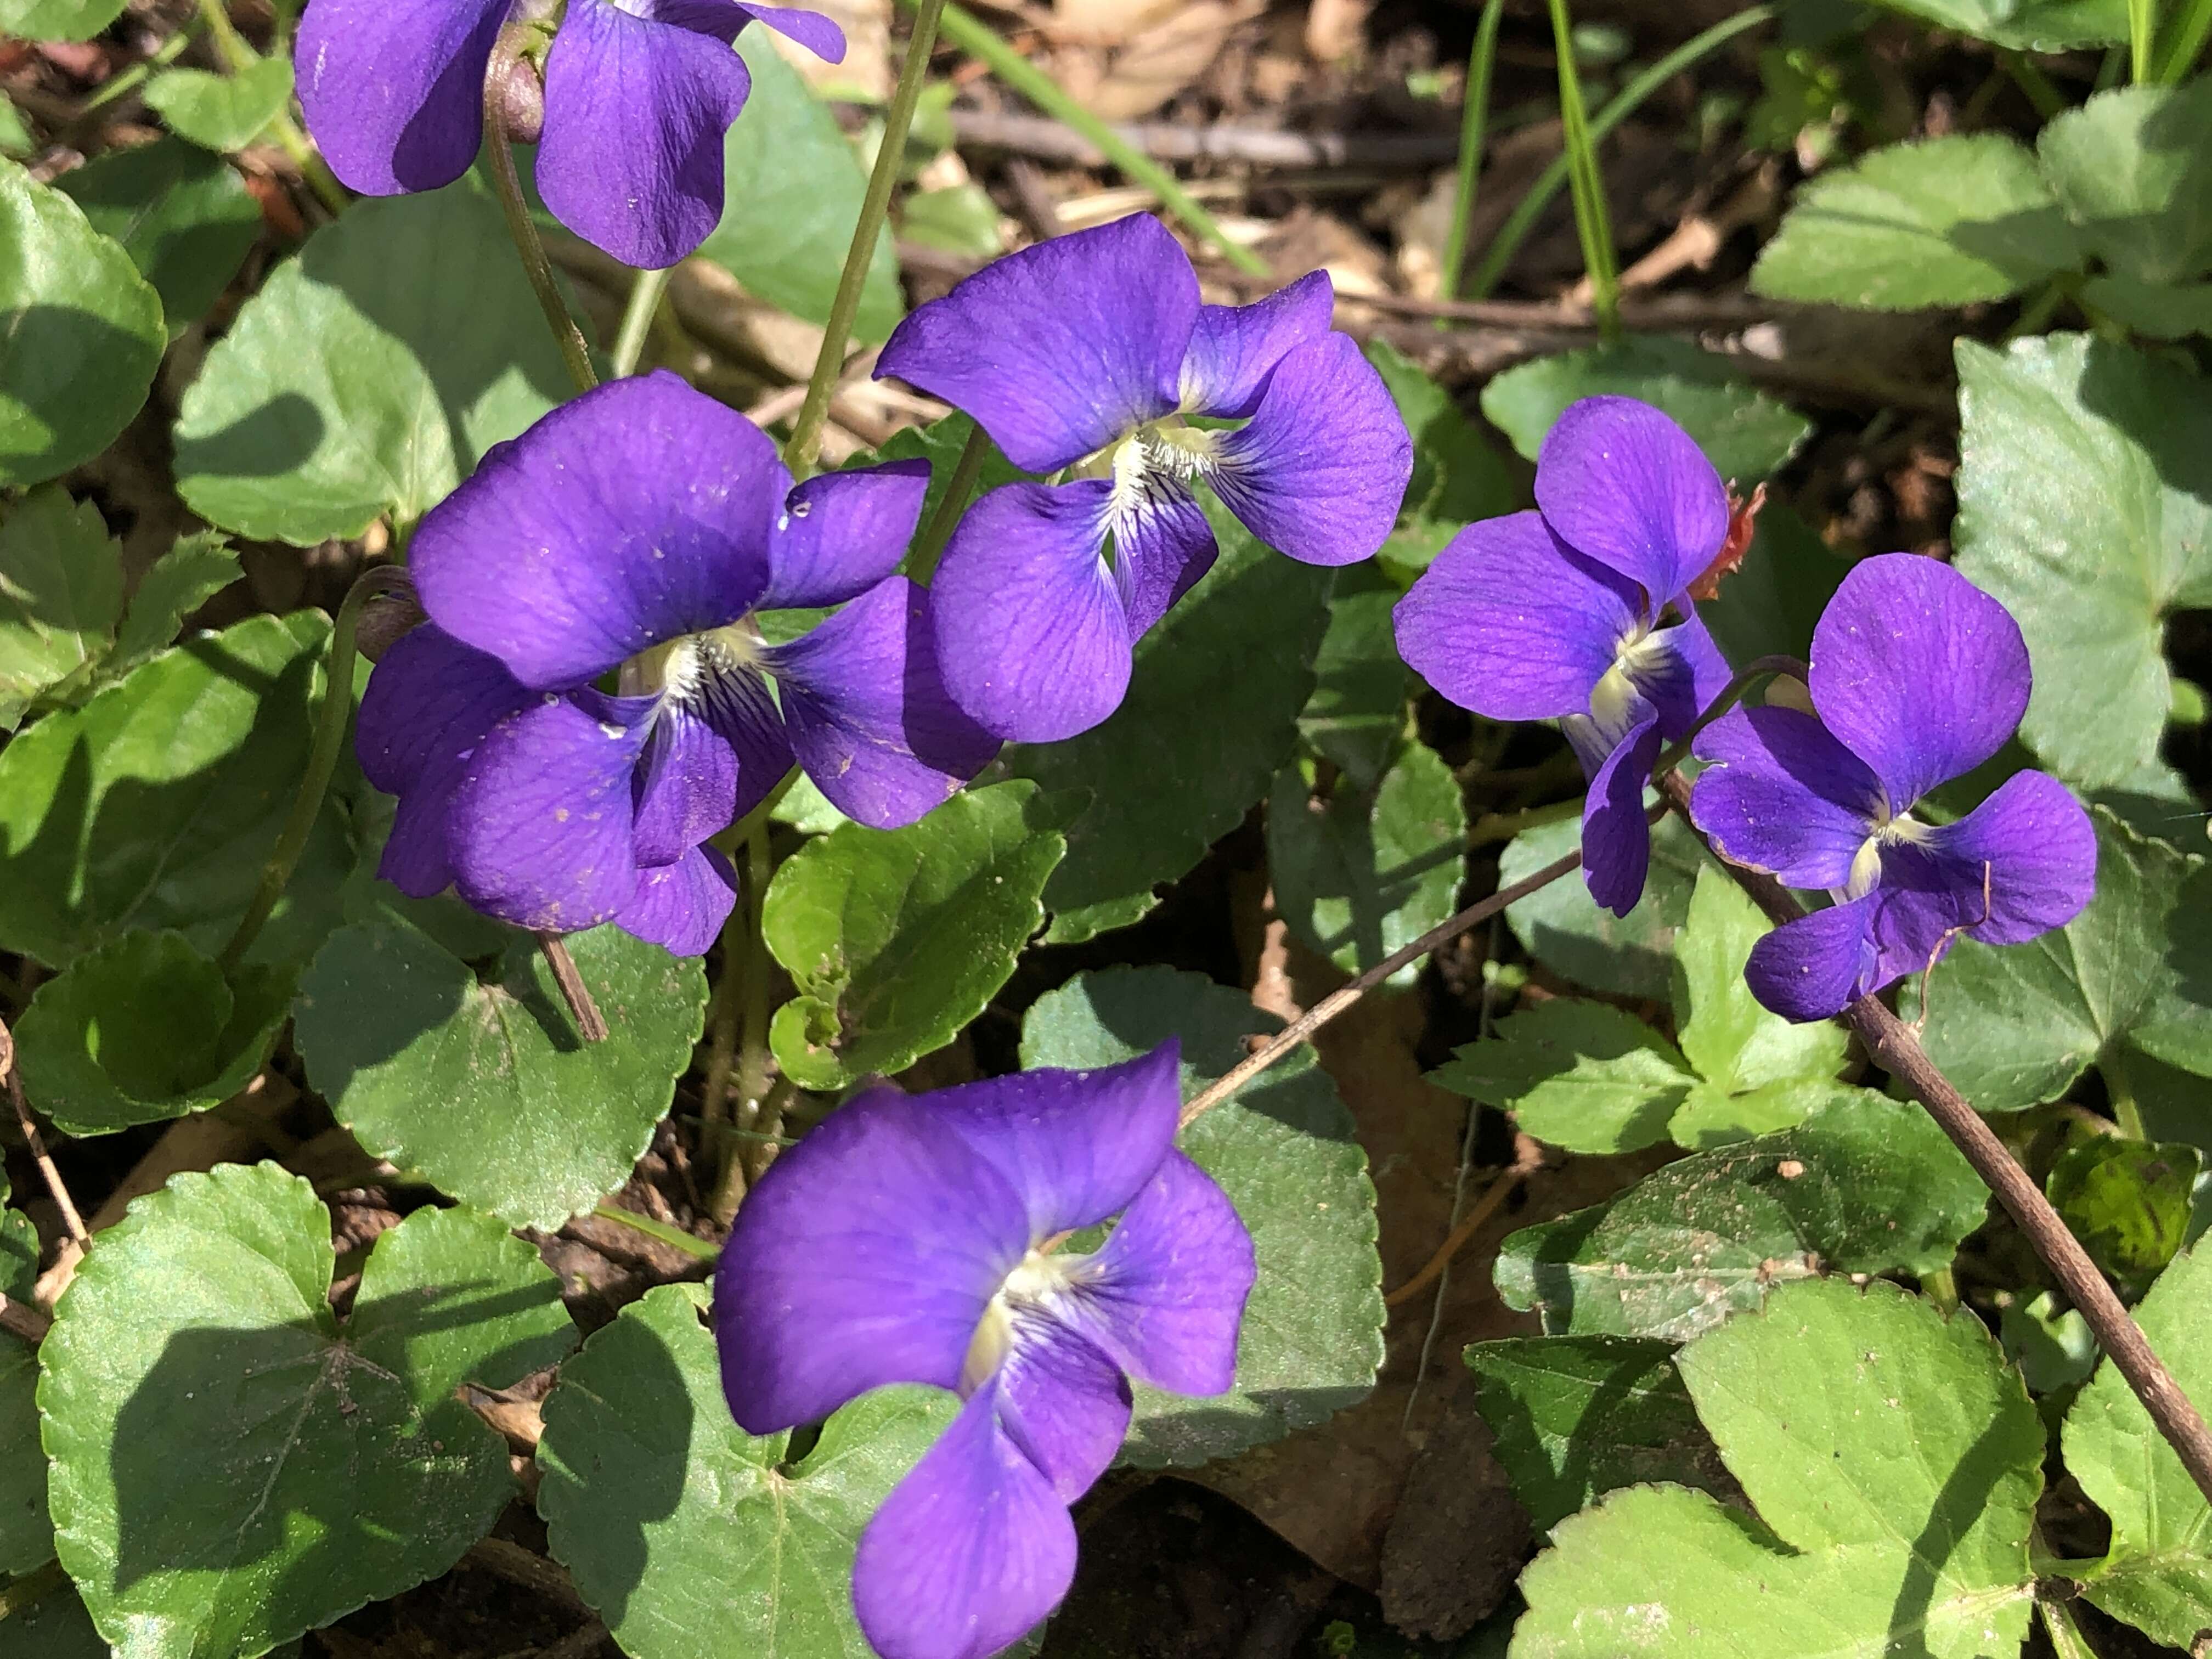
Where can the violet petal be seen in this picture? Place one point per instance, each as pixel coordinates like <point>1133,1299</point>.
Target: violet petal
<point>838,535</point>
<point>1235,349</point>
<point>1779,794</point>
<point>393,89</point>
<point>1814,967</point>
<point>685,787</point>
<point>681,907</point>
<point>1616,836</point>
<point>1161,545</point>
<point>1624,485</point>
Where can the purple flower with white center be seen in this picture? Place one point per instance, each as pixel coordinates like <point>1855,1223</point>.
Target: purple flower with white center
<point>630,537</point>
<point>910,1239</point>
<point>1917,676</point>
<point>1562,614</point>
<point>1089,352</point>
<point>638,96</point>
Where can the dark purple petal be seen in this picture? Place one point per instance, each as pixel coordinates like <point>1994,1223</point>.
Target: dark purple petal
<point>1165,1294</point>
<point>1622,483</point>
<point>1781,795</point>
<point>393,89</point>
<point>817,34</point>
<point>2041,852</point>
<point>1321,470</point>
<point>969,1553</point>
<point>1679,674</point>
<point>1234,348</point>
<point>684,789</point>
<point>840,534</point>
<point>867,714</point>
<point>1814,967</point>
<point>1062,1400</point>
<point>1060,348</point>
<point>1078,1146</point>
<point>737,703</point>
<point>1616,836</point>
<point>1509,623</point>
<point>1161,545</point>
<point>867,1254</point>
<point>681,907</point>
<point>1920,674</point>
<point>635,112</point>
<point>1032,634</point>
<point>540,831</point>
<point>637,513</point>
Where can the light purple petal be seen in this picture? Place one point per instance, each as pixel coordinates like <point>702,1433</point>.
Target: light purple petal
<point>684,789</point>
<point>1078,1146</point>
<point>1814,967</point>
<point>540,831</point>
<point>737,703</point>
<point>817,34</point>
<point>393,89</point>
<point>2041,851</point>
<point>681,907</point>
<point>1918,673</point>
<point>428,684</point>
<point>1616,836</point>
<point>1062,1400</point>
<point>1682,680</point>
<point>1062,347</point>
<point>867,1254</point>
<point>1509,623</point>
<point>1779,794</point>
<point>1234,348</point>
<point>1165,1294</point>
<point>969,1553</point>
<point>1161,545</point>
<point>1624,485</point>
<point>867,714</point>
<point>636,112</point>
<point>1030,631</point>
<point>634,515</point>
<point>1321,470</point>
<point>840,534</point>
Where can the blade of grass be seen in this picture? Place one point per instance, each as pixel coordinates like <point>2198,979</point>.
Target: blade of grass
<point>1473,123</point>
<point>1593,219</point>
<point>2189,34</point>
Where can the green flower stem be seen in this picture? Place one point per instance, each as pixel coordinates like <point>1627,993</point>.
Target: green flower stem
<point>322,763</point>
<point>2187,45</point>
<point>1474,124</point>
<point>1625,103</point>
<point>805,448</point>
<point>1940,1287</point>
<point>2120,1094</point>
<point>748,969</point>
<point>2045,98</point>
<point>637,320</point>
<point>1585,182</point>
<point>921,563</point>
<point>1493,827</point>
<point>240,56</point>
<point>2065,1631</point>
<point>135,76</point>
<point>674,1237</point>
<point>520,226</point>
<point>977,39</point>
<point>2142,27</point>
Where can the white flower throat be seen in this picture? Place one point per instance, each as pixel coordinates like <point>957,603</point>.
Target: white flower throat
<point>1638,657</point>
<point>1900,828</point>
<point>688,670</point>
<point>1028,1293</point>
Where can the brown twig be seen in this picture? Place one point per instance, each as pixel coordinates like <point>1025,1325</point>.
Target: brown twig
<point>1345,995</point>
<point>1487,1205</point>
<point>1892,1044</point>
<point>36,1142</point>
<point>22,1319</point>
<point>591,1024</point>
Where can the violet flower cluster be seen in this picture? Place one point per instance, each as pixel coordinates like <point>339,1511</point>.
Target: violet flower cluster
<point>912,1239</point>
<point>591,698</point>
<point>638,96</point>
<point>1092,354</point>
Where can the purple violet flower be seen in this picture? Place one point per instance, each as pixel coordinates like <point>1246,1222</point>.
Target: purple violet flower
<point>1917,676</point>
<point>638,96</point>
<point>632,534</point>
<point>908,1239</point>
<point>1561,614</point>
<point>1088,352</point>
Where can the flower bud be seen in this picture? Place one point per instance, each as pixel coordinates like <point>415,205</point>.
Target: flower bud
<point>521,100</point>
<point>386,616</point>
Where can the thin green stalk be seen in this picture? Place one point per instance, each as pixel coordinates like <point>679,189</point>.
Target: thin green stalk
<point>674,1237</point>
<point>978,39</point>
<point>805,445</point>
<point>2119,1092</point>
<point>1623,104</point>
<point>1493,827</point>
<point>322,763</point>
<point>240,56</point>
<point>965,472</point>
<point>2190,34</point>
<point>2045,98</point>
<point>2059,1624</point>
<point>520,226</point>
<point>2142,27</point>
<point>637,320</point>
<point>753,1063</point>
<point>1473,125</point>
<point>1585,182</point>
<point>132,78</point>
<point>1758,668</point>
<point>2035,316</point>
<point>1940,1287</point>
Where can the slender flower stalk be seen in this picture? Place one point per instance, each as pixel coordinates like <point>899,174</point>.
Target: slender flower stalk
<point>241,57</point>
<point>505,55</point>
<point>637,320</point>
<point>969,468</point>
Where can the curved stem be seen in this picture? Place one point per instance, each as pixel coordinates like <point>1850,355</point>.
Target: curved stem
<point>507,184</point>
<point>1762,668</point>
<point>240,56</point>
<point>922,562</point>
<point>805,445</point>
<point>1895,1047</point>
<point>1626,103</point>
<point>637,320</point>
<point>1473,125</point>
<point>674,1237</point>
<point>322,763</point>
